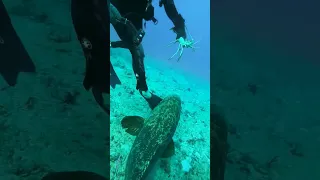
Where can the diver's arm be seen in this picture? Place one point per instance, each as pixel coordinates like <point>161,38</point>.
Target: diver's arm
<point>175,17</point>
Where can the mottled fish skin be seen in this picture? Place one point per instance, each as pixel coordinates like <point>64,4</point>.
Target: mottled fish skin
<point>153,139</point>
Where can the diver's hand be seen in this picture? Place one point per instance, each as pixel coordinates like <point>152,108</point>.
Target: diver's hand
<point>183,43</point>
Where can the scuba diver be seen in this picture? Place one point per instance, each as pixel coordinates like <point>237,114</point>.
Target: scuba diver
<point>135,11</point>
<point>91,21</point>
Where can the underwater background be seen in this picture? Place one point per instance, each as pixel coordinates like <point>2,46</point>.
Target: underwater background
<point>265,76</point>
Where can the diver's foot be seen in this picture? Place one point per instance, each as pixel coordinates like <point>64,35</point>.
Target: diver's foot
<point>146,94</point>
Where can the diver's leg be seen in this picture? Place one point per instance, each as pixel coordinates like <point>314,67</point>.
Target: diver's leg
<point>116,21</point>
<point>137,53</point>
<point>94,40</point>
<point>139,71</point>
<point>115,15</point>
<point>129,34</point>
<point>124,28</point>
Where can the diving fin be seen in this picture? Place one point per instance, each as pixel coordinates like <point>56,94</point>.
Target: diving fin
<point>114,79</point>
<point>153,101</point>
<point>132,124</point>
<point>103,99</point>
<point>14,57</point>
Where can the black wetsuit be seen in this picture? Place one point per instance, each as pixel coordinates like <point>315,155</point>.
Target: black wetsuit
<point>93,31</point>
<point>91,22</point>
<point>91,19</point>
<point>136,11</point>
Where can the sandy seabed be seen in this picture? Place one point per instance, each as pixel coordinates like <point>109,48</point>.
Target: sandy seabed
<point>192,137</point>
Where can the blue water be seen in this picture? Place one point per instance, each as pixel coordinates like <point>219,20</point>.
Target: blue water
<point>159,36</point>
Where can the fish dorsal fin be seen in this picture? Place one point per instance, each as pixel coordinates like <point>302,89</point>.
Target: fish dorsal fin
<point>132,124</point>
<point>169,151</point>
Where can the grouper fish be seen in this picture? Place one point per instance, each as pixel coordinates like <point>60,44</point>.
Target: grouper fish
<point>153,137</point>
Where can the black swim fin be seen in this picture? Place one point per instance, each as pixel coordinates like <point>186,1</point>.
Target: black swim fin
<point>97,75</point>
<point>14,57</point>
<point>153,101</point>
<point>103,102</point>
<point>114,79</point>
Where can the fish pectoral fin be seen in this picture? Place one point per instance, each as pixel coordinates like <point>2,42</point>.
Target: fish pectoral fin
<point>169,151</point>
<point>132,124</point>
